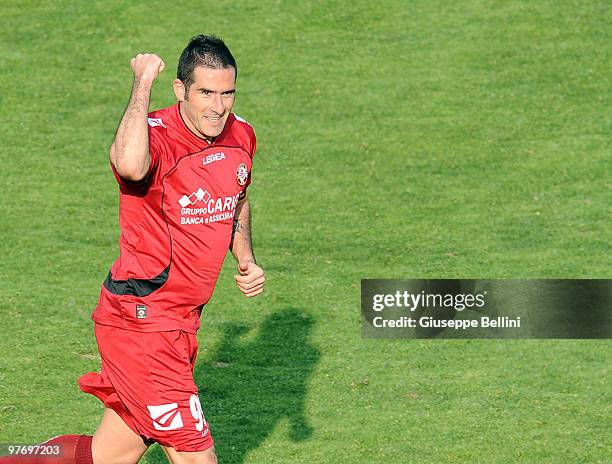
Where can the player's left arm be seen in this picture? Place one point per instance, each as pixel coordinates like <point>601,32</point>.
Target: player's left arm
<point>250,278</point>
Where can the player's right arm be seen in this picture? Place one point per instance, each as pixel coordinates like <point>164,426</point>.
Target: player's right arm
<point>129,152</point>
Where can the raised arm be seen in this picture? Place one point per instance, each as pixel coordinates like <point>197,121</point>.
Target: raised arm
<point>129,152</point>
<point>251,277</point>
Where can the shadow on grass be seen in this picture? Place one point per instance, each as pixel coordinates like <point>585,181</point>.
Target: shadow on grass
<point>248,386</point>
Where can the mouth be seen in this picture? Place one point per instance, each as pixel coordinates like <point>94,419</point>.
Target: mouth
<point>214,118</point>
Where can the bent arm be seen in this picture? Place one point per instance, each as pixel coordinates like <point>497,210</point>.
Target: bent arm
<point>241,245</point>
<point>250,278</point>
<point>129,152</point>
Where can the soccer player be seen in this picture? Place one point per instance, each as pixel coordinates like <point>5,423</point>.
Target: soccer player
<point>182,172</point>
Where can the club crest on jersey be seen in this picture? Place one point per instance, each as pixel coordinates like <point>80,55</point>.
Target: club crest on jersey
<point>242,174</point>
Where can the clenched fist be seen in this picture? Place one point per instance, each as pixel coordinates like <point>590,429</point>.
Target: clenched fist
<point>147,66</point>
<point>250,279</point>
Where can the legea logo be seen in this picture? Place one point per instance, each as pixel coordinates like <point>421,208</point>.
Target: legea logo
<point>212,158</point>
<point>154,122</point>
<point>166,416</point>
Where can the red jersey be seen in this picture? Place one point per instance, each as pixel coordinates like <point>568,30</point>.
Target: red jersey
<point>176,225</point>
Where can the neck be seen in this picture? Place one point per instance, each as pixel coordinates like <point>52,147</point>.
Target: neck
<point>192,128</point>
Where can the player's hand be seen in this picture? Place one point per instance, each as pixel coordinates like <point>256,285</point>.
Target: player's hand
<point>147,66</point>
<point>250,279</point>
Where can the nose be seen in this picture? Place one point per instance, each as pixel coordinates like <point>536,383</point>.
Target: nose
<point>217,104</point>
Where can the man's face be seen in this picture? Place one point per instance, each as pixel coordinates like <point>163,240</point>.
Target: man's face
<point>209,100</point>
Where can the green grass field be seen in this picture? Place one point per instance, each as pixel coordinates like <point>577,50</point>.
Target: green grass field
<point>397,139</point>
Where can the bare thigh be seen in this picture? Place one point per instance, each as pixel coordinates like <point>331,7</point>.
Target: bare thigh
<point>115,443</point>
<point>196,457</point>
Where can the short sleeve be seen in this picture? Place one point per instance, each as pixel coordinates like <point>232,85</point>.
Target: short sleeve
<point>155,149</point>
<point>252,149</point>
<point>253,145</point>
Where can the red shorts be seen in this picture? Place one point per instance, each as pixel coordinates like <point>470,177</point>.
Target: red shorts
<point>147,378</point>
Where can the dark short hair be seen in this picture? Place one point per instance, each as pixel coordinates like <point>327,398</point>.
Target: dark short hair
<point>204,50</point>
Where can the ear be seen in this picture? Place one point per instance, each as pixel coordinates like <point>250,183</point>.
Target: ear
<point>179,89</point>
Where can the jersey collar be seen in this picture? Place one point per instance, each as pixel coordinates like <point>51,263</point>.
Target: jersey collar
<point>187,132</point>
